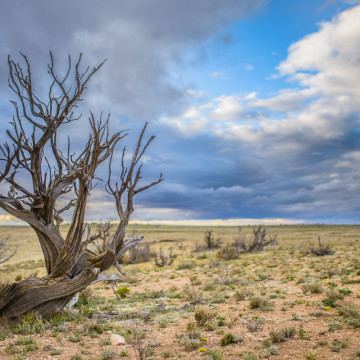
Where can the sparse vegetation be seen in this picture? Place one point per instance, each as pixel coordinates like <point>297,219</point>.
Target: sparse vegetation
<point>186,309</point>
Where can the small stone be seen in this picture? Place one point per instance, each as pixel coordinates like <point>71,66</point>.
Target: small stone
<point>145,315</point>
<point>116,339</point>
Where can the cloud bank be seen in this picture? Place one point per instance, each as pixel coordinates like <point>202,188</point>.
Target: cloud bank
<point>288,153</point>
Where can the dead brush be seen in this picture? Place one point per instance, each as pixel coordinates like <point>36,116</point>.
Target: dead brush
<point>255,324</point>
<point>321,250</point>
<point>210,241</point>
<point>162,259</point>
<point>259,240</point>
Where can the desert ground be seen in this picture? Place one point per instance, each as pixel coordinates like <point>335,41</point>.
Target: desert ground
<point>279,303</point>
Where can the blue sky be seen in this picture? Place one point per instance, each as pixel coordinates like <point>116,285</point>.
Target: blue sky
<point>254,103</point>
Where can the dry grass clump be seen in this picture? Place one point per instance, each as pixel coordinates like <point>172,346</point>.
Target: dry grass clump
<point>311,288</point>
<point>278,336</point>
<point>203,315</point>
<point>241,294</point>
<point>190,339</point>
<point>257,302</point>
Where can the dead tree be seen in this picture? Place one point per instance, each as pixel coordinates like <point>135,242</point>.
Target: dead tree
<point>6,251</point>
<point>39,173</point>
<point>259,240</point>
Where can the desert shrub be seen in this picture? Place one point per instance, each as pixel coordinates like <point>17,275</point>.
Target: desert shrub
<point>255,324</point>
<point>228,252</point>
<point>289,331</point>
<point>123,291</point>
<point>247,355</point>
<point>272,350</point>
<point>138,254</point>
<point>76,357</point>
<point>214,354</point>
<point>278,336</point>
<point>345,291</point>
<point>337,345</point>
<point>108,355</point>
<point>31,323</point>
<point>349,311</point>
<point>328,302</point>
<point>191,293</point>
<point>131,275</point>
<point>334,294</point>
<point>261,303</point>
<point>230,339</point>
<point>334,326</point>
<point>203,315</point>
<point>185,265</point>
<point>74,339</point>
<point>240,295</point>
<point>313,288</point>
<point>191,338</point>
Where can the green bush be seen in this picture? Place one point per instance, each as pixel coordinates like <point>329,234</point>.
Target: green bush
<point>230,339</point>
<point>123,291</point>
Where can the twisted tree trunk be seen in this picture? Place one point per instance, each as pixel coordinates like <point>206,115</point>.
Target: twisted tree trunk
<point>52,173</point>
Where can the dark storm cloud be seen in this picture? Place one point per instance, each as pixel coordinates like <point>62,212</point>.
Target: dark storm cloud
<point>143,42</point>
<point>294,154</point>
<point>140,39</point>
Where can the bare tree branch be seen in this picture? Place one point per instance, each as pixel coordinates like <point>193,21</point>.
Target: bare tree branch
<point>39,173</point>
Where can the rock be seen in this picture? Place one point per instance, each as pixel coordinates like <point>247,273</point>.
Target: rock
<point>116,339</point>
<point>161,307</point>
<point>145,315</point>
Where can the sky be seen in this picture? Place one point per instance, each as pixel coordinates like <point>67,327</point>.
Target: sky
<point>254,103</point>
